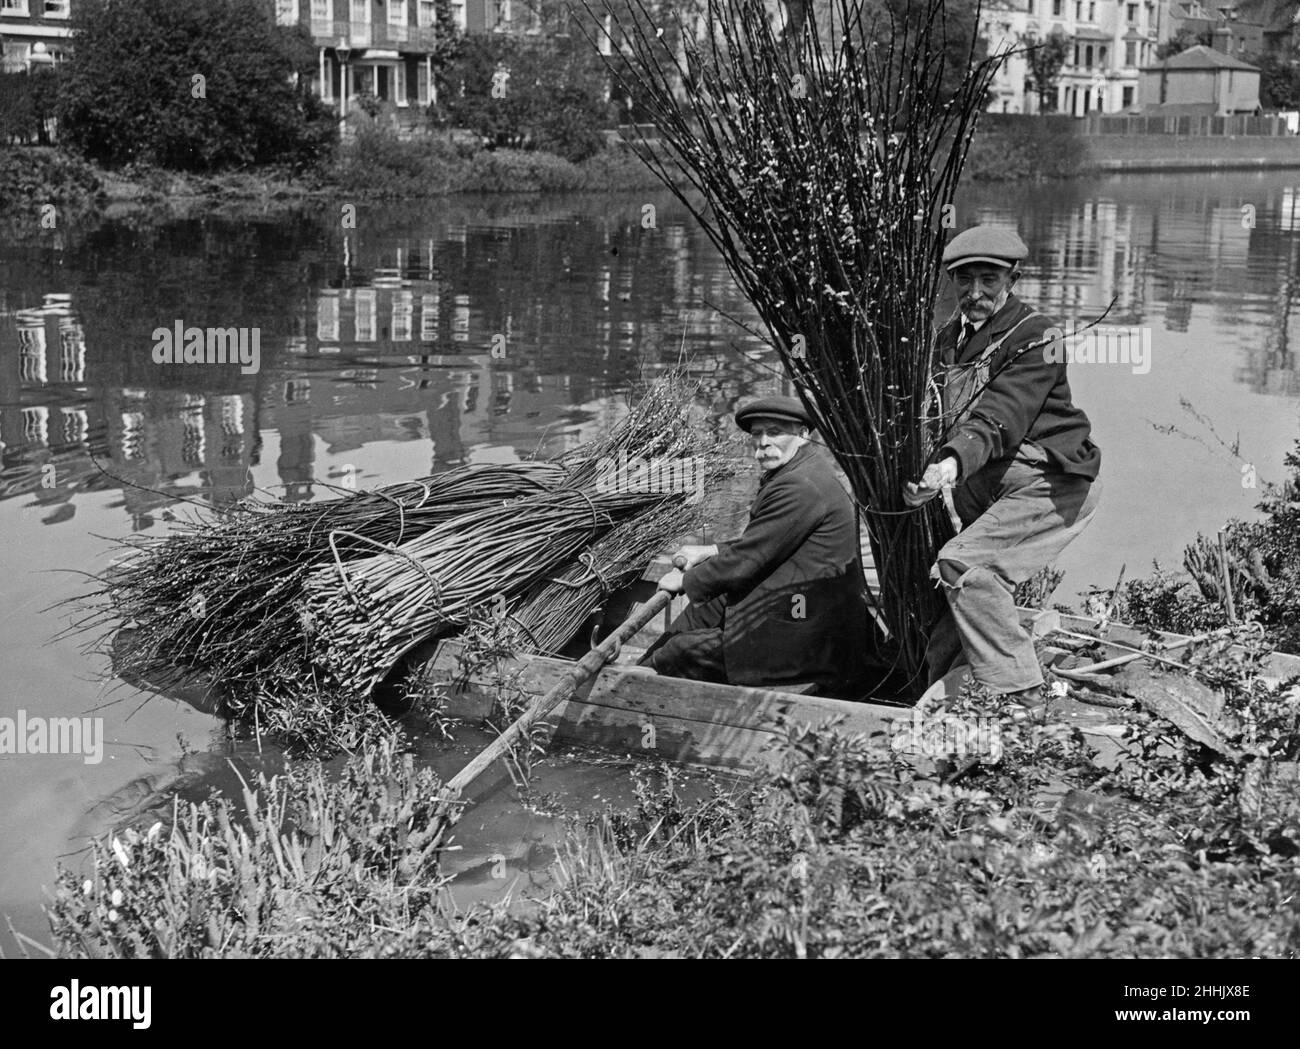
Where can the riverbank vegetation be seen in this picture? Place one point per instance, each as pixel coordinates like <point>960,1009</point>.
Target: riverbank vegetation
<point>844,850</point>
<point>1263,575</point>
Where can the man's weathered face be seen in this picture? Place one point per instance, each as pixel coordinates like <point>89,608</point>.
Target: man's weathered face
<point>981,289</point>
<point>775,441</point>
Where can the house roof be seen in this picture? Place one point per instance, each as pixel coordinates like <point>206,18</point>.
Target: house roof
<point>1202,57</point>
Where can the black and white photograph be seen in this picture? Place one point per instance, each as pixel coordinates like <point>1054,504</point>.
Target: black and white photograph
<point>631,479</point>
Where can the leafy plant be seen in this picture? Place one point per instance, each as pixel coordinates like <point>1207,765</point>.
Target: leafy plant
<point>191,85</point>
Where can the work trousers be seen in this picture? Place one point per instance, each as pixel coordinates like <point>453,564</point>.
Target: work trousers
<point>1017,518</point>
<point>691,647</point>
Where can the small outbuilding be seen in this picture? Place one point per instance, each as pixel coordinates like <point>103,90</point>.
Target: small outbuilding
<point>1217,84</point>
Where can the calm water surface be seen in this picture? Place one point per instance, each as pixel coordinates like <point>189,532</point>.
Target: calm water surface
<point>377,365</point>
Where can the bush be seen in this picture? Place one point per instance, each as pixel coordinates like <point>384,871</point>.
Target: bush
<point>507,170</point>
<point>1017,147</point>
<point>30,176</point>
<point>376,163</point>
<point>130,93</point>
<point>552,98</point>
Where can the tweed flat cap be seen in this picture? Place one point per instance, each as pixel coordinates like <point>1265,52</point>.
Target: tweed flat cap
<point>1002,247</point>
<point>787,408</point>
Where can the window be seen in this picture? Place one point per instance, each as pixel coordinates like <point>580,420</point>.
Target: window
<point>1057,5</point>
<point>1087,57</point>
<point>1102,54</point>
<point>322,11</point>
<point>1132,13</point>
<point>1092,11</point>
<point>426,14</point>
<point>397,12</point>
<point>1078,10</point>
<point>403,315</point>
<point>399,85</point>
<point>1130,53</point>
<point>286,12</point>
<point>361,11</point>
<point>367,311</point>
<point>422,84</point>
<point>13,7</point>
<point>56,8</point>
<point>1128,97</point>
<point>1031,6</point>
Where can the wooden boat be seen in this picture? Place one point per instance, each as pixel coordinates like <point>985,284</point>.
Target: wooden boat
<point>629,711</point>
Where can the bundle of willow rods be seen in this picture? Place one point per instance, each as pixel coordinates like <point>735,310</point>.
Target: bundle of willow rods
<point>826,158</point>
<point>223,594</point>
<point>365,615</point>
<point>368,613</point>
<point>553,612</point>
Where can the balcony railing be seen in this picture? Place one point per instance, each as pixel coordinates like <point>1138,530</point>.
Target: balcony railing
<point>326,32</point>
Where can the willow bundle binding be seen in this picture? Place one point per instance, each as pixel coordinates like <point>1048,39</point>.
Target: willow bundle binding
<point>826,158</point>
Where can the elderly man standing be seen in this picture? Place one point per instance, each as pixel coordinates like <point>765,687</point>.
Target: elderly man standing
<point>785,602</point>
<point>1019,457</point>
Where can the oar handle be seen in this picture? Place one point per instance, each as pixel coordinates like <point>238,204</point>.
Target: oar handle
<point>586,667</point>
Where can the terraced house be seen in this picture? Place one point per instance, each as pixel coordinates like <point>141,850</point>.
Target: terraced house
<point>381,48</point>
<point>1109,42</point>
<point>384,48</point>
<point>33,33</point>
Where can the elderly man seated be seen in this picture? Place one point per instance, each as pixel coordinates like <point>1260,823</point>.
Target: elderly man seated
<point>785,602</point>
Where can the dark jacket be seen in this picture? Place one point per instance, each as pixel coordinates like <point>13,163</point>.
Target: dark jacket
<point>1027,396</point>
<point>793,582</point>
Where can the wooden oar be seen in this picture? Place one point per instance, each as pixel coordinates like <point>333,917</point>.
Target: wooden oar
<point>589,665</point>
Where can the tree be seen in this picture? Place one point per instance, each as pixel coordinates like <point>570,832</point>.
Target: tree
<point>949,31</point>
<point>27,102</point>
<point>1182,40</point>
<point>1045,61</point>
<point>448,42</point>
<point>195,85</point>
<point>532,92</point>
<point>1279,78</point>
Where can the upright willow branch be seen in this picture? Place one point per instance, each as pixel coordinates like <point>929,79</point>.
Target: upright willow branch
<point>825,160</point>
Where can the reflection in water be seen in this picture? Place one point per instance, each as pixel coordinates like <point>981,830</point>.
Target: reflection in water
<point>462,331</point>
<point>466,335</point>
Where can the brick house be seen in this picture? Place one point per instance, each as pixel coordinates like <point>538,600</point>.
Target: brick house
<point>33,33</point>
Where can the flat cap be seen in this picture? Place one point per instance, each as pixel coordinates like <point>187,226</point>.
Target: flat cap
<point>787,408</point>
<point>1002,247</point>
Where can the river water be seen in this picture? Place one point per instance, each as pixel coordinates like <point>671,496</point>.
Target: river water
<point>377,364</point>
